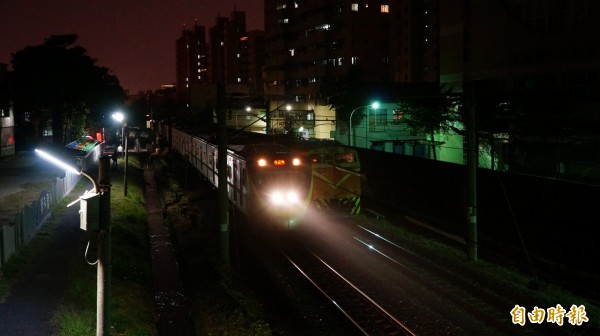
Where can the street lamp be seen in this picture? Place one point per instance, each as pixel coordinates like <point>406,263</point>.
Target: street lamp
<point>120,117</point>
<point>100,223</point>
<point>374,105</point>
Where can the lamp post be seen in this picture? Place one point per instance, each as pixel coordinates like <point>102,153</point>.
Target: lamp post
<point>100,223</point>
<point>374,105</point>
<point>120,117</point>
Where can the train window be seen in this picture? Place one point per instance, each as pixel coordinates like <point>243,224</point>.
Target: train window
<point>344,157</point>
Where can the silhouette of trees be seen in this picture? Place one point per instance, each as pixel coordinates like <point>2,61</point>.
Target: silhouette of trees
<point>57,85</point>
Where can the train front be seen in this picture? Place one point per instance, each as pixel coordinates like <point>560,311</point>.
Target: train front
<point>280,184</point>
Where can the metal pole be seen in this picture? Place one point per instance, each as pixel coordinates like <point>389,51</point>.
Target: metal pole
<point>126,157</point>
<point>472,147</point>
<point>104,252</point>
<point>222,167</point>
<point>350,137</point>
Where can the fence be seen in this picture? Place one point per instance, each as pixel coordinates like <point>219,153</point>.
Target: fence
<point>33,216</point>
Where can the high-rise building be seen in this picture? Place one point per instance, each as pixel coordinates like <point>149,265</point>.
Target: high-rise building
<point>192,57</point>
<point>229,49</point>
<point>310,43</point>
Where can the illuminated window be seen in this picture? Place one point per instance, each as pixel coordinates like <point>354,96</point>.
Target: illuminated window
<point>291,52</point>
<point>354,7</point>
<point>385,8</point>
<point>397,116</point>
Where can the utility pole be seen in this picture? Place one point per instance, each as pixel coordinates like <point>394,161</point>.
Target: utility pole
<point>222,167</point>
<point>126,149</point>
<point>472,146</point>
<point>104,250</point>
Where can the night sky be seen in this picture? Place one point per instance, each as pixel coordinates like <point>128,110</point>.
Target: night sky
<point>135,39</point>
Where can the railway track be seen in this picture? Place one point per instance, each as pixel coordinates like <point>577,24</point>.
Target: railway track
<point>432,297</point>
<point>358,307</point>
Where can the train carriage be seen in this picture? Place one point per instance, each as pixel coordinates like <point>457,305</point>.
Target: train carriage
<point>274,178</point>
<point>265,181</point>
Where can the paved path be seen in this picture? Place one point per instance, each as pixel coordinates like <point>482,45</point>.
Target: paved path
<point>28,309</point>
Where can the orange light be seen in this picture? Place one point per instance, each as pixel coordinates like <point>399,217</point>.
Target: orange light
<point>279,162</point>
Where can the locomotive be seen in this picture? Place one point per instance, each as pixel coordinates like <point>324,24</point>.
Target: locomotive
<point>278,179</point>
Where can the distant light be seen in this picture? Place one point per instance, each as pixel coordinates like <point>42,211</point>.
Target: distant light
<point>118,116</point>
<point>261,162</point>
<point>375,105</point>
<point>296,162</point>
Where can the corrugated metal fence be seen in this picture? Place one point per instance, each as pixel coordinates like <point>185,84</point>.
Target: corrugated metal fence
<point>27,222</point>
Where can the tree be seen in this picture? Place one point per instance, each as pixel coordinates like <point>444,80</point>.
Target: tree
<point>432,110</point>
<point>58,84</point>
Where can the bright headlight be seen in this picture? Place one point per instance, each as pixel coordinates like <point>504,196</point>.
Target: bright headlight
<point>292,197</point>
<point>284,198</point>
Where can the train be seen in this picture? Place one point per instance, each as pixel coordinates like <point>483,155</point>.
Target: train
<point>278,179</point>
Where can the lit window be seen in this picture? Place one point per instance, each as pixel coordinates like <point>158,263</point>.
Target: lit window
<point>291,52</point>
<point>238,55</point>
<point>222,43</point>
<point>385,8</point>
<point>354,60</point>
<point>354,7</point>
<point>239,80</point>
